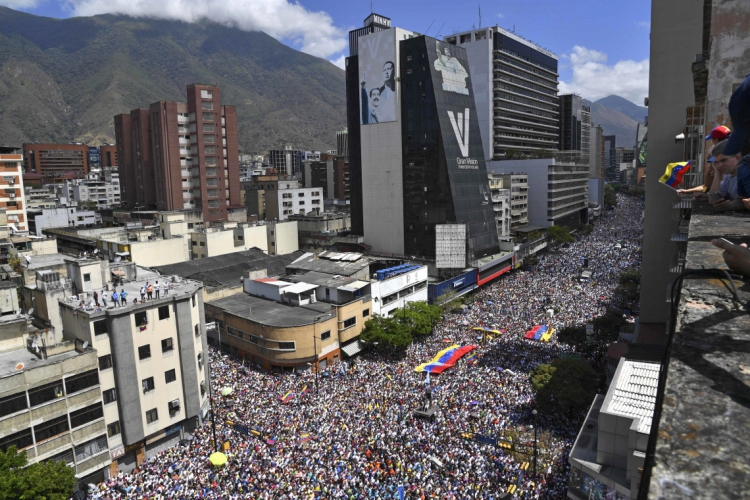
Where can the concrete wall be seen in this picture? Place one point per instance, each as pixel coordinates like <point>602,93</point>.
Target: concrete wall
<point>159,252</point>
<point>283,238</point>
<point>382,172</point>
<point>729,58</point>
<point>676,34</point>
<point>13,335</point>
<point>479,55</point>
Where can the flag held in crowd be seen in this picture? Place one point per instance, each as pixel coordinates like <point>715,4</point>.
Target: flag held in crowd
<point>674,173</point>
<point>445,359</point>
<point>537,332</point>
<point>286,397</point>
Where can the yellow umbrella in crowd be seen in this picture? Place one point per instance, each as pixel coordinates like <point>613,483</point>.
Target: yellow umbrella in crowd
<point>226,391</point>
<point>218,459</point>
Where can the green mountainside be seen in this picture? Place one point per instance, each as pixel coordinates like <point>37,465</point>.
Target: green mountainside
<point>614,122</point>
<point>64,80</point>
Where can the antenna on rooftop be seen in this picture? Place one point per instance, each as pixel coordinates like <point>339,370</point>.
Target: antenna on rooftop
<point>440,31</point>
<point>430,26</point>
<point>480,15</point>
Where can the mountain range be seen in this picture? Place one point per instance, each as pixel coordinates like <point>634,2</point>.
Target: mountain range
<point>617,116</point>
<point>63,80</point>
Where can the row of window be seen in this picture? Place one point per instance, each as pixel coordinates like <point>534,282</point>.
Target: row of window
<point>144,351</point>
<point>53,427</point>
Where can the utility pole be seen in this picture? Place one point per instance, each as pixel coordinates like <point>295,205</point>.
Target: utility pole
<point>534,412</point>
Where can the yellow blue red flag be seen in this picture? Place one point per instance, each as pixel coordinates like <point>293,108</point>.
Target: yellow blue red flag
<point>673,174</point>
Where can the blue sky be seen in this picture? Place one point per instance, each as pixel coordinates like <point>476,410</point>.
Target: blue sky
<point>603,45</point>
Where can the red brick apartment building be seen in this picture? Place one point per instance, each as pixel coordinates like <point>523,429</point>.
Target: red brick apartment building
<point>176,155</point>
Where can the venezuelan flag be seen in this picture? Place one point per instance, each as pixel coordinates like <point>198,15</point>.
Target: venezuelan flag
<point>304,391</point>
<point>548,335</point>
<point>537,332</point>
<point>286,397</point>
<point>673,174</point>
<point>445,359</point>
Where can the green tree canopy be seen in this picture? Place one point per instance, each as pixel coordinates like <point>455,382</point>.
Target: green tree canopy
<point>572,335</point>
<point>610,197</point>
<point>420,317</point>
<point>49,480</point>
<point>560,234</point>
<point>389,333</point>
<point>565,385</point>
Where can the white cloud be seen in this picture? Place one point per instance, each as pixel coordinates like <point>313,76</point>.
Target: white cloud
<point>19,4</point>
<point>313,32</point>
<point>645,24</point>
<point>593,78</point>
<point>339,61</point>
<point>500,16</point>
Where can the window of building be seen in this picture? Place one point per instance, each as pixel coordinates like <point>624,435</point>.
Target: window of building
<point>148,384</point>
<point>81,381</point>
<point>44,393</point>
<point>50,428</point>
<point>209,138</point>
<point>167,345</point>
<point>325,335</point>
<point>208,127</point>
<point>144,352</point>
<point>91,448</point>
<point>286,346</point>
<point>140,318</point>
<point>109,396</point>
<point>350,322</point>
<point>20,440</point>
<point>152,416</point>
<point>207,105</point>
<point>86,415</point>
<point>170,376</point>
<point>197,330</point>
<point>113,429</point>
<point>105,362</point>
<point>208,117</point>
<point>365,313</point>
<point>87,277</point>
<point>202,243</point>
<point>174,407</point>
<point>164,312</point>
<point>100,327</point>
<point>12,404</point>
<point>193,300</point>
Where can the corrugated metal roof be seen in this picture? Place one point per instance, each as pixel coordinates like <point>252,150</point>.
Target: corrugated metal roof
<point>635,392</point>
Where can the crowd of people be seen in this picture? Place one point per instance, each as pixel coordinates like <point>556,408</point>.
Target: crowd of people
<point>356,436</point>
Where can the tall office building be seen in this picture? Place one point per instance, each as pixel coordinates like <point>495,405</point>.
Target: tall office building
<point>515,85</point>
<point>575,125</point>
<point>611,168</point>
<point>176,156</point>
<point>374,23</point>
<point>420,154</point>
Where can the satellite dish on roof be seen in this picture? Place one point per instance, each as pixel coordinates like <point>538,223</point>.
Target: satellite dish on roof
<point>19,367</point>
<point>85,344</point>
<point>31,311</point>
<point>28,259</point>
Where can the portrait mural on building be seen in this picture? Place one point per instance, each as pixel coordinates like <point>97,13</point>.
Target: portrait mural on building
<point>377,76</point>
<point>453,72</point>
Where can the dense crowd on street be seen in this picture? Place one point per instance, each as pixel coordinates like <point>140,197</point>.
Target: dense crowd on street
<point>357,437</point>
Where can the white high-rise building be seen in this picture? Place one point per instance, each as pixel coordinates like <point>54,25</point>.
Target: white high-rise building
<point>515,91</point>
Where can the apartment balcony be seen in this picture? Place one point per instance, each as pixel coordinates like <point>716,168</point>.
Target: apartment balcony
<point>698,442</point>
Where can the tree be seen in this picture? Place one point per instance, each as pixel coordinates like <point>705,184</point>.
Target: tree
<point>389,333</point>
<point>564,386</point>
<point>448,301</point>
<point>51,480</point>
<point>610,197</point>
<point>560,234</point>
<point>15,262</point>
<point>572,335</point>
<point>585,229</point>
<point>420,317</point>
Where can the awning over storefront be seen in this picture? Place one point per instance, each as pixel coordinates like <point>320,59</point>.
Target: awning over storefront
<point>353,349</point>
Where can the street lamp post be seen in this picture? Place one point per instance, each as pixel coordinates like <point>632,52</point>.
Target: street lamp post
<point>534,412</point>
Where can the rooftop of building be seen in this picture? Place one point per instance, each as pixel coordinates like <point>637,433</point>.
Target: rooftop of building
<point>10,360</point>
<point>228,269</point>
<point>336,263</point>
<point>632,392</point>
<point>133,290</point>
<point>44,261</point>
<point>322,279</point>
<point>271,313</point>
